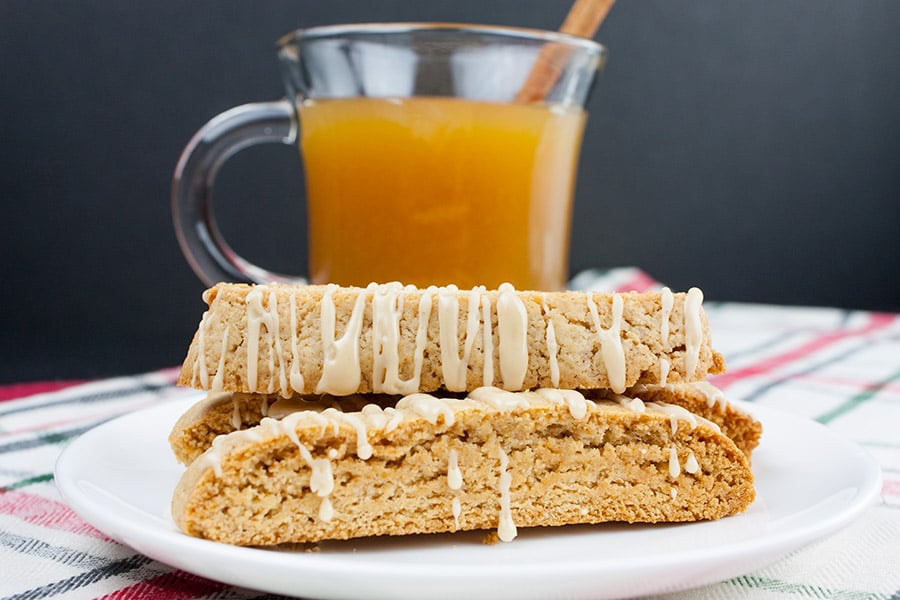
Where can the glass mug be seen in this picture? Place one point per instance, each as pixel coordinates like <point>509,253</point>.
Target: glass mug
<point>429,158</point>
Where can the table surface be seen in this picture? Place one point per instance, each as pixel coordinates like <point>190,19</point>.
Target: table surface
<point>840,368</point>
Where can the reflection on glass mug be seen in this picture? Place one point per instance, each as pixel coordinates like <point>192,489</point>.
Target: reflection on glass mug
<point>425,162</point>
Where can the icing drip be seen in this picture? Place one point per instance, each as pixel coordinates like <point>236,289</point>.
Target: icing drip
<point>200,370</point>
<point>611,343</point>
<point>454,475</point>
<point>428,407</point>
<point>712,394</point>
<point>236,421</point>
<point>633,404</point>
<point>668,299</point>
<point>321,477</point>
<point>512,325</point>
<point>691,465</point>
<point>454,367</point>
<point>355,420</point>
<point>387,306</point>
<point>341,371</point>
<point>218,382</point>
<point>456,510</point>
<point>506,528</point>
<point>488,342</point>
<point>674,466</point>
<point>664,367</point>
<point>213,456</point>
<point>675,414</point>
<point>498,399</point>
<point>693,330</point>
<point>258,316</point>
<point>573,399</point>
<point>425,302</point>
<point>552,346</point>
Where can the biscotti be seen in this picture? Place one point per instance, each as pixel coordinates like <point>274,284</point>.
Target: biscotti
<point>492,460</point>
<point>399,340</point>
<point>220,413</point>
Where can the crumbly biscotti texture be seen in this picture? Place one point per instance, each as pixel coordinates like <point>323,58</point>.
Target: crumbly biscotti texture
<point>220,413</point>
<point>704,399</point>
<point>271,339</point>
<point>316,476</point>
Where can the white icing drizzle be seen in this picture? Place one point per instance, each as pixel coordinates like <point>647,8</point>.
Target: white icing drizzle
<point>321,477</point>
<point>257,317</point>
<point>425,302</point>
<point>668,300</point>
<point>296,378</point>
<point>218,382</point>
<point>674,465</point>
<point>358,422</point>
<point>573,399</point>
<point>326,510</point>
<point>213,456</point>
<point>341,371</point>
<point>236,421</point>
<point>611,342</point>
<point>677,413</point>
<point>454,475</point>
<point>502,400</point>
<point>674,493</point>
<point>691,465</point>
<point>693,331</point>
<point>506,528</point>
<point>664,367</point>
<point>456,510</point>
<point>387,307</point>
<point>428,407</point>
<point>711,393</point>
<point>454,366</point>
<point>512,325</point>
<point>633,404</point>
<point>552,346</point>
<point>488,342</point>
<point>200,370</point>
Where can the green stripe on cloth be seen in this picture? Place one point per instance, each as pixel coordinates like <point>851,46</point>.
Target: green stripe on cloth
<point>858,399</point>
<point>802,589</point>
<point>29,481</point>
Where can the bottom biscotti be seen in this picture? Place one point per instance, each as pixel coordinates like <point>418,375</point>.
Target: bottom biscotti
<point>493,460</point>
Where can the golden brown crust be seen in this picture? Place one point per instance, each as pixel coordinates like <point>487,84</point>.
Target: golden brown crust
<point>225,412</point>
<point>297,349</point>
<point>707,401</point>
<point>614,464</point>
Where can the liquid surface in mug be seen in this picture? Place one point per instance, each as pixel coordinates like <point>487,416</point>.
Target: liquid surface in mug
<point>433,191</point>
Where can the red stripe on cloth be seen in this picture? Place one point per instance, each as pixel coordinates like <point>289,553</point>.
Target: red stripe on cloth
<point>891,487</point>
<point>38,510</point>
<point>876,321</point>
<point>23,390</point>
<point>176,585</point>
<point>641,282</point>
<point>854,384</point>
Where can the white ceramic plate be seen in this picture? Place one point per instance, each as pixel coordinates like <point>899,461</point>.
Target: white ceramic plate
<point>120,476</point>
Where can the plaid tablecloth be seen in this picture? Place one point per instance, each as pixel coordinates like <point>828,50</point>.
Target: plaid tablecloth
<point>841,368</point>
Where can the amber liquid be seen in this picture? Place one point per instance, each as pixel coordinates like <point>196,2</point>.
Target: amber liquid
<point>433,191</point>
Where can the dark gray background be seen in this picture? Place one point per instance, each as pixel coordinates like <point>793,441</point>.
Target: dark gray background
<point>750,148</point>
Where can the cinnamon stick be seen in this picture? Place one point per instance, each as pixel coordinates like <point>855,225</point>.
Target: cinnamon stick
<point>583,20</point>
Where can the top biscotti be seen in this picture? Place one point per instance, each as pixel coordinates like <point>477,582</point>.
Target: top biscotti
<point>400,340</point>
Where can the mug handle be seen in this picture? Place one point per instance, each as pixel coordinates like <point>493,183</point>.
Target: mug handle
<point>192,208</point>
